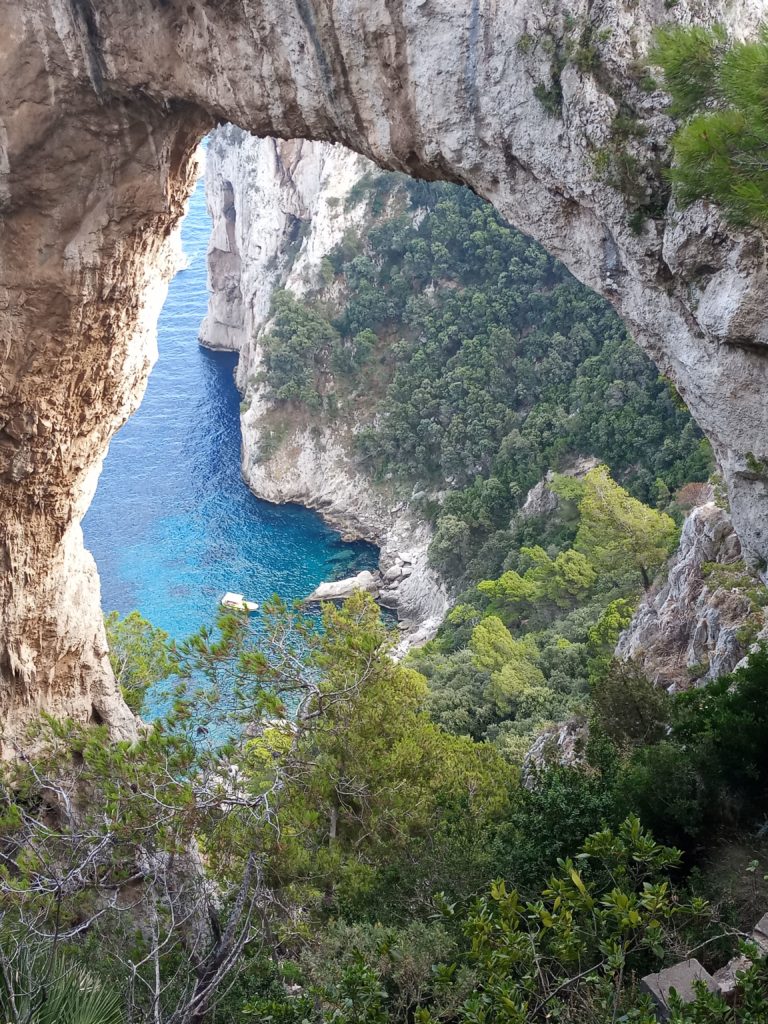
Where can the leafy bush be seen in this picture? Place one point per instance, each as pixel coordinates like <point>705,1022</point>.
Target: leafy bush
<point>140,656</point>
<point>710,772</point>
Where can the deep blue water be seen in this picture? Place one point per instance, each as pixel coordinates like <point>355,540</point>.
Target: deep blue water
<point>172,525</point>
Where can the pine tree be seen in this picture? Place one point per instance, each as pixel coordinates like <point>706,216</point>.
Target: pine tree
<point>721,92</point>
<point>618,533</point>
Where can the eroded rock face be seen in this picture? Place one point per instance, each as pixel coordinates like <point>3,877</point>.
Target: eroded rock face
<point>562,744</point>
<point>692,630</point>
<point>276,209</point>
<point>101,104</point>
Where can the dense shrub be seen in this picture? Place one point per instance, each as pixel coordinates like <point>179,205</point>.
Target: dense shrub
<point>718,91</point>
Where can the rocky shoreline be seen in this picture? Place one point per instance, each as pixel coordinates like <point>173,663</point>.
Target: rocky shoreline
<point>278,209</point>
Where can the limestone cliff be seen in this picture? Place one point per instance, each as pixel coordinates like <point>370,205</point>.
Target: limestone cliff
<point>101,105</point>
<point>278,208</point>
<point>698,624</point>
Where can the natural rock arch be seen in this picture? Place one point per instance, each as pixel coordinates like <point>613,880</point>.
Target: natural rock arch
<point>101,105</point>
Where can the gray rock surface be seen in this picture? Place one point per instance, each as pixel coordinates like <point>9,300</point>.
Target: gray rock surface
<point>727,977</point>
<point>689,629</point>
<point>102,104</point>
<point>340,590</point>
<point>562,744</point>
<point>539,501</point>
<point>682,978</point>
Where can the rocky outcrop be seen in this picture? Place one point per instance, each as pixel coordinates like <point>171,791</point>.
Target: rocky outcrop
<point>263,195</point>
<point>541,500</point>
<point>278,209</point>
<point>692,629</point>
<point>340,590</point>
<point>101,105</point>
<point>561,745</point>
<point>315,468</point>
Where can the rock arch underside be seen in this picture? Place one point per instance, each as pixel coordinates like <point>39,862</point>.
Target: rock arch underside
<point>102,103</point>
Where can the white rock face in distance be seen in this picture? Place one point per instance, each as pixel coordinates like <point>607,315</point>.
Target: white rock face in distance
<point>340,590</point>
<point>263,196</point>
<point>278,209</point>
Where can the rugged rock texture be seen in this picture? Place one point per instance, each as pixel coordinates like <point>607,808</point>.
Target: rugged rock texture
<point>690,630</point>
<point>278,209</point>
<point>315,469</point>
<point>340,590</point>
<point>541,499</point>
<point>562,744</point>
<point>101,104</point>
<point>276,212</point>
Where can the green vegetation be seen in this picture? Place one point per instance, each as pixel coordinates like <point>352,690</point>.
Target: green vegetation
<point>295,348</point>
<point>313,833</point>
<point>341,860</point>
<point>52,991</point>
<point>138,653</point>
<point>718,90</point>
<point>617,531</point>
<point>519,651</point>
<point>483,363</point>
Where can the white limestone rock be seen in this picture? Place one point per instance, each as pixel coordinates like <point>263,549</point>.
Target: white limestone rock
<point>689,629</point>
<point>340,590</point>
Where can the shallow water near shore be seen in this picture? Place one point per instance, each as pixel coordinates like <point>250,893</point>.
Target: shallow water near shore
<point>172,525</point>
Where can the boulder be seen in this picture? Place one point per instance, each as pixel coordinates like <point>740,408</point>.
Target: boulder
<point>727,979</point>
<point>340,590</point>
<point>760,934</point>
<point>682,978</point>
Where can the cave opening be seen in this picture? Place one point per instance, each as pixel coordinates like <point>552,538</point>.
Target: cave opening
<point>92,185</point>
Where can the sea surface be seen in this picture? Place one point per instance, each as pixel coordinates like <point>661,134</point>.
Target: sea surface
<point>172,525</point>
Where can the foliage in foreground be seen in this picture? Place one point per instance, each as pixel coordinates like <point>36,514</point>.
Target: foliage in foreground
<point>718,90</point>
<point>48,990</point>
<point>574,953</point>
<point>163,861</point>
<point>289,873</point>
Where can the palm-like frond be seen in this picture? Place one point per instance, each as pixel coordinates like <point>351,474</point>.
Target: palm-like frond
<point>34,993</point>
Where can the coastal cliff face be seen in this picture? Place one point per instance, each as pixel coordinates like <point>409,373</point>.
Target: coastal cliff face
<point>698,624</point>
<point>278,208</point>
<point>101,106</point>
<point>274,211</point>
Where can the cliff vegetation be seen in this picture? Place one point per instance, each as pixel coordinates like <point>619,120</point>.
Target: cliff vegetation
<point>478,364</point>
<point>342,862</point>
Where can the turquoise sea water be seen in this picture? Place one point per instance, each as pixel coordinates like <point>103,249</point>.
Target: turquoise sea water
<point>172,525</point>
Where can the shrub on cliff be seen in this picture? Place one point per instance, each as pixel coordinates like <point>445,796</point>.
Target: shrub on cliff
<point>719,90</point>
<point>707,772</point>
<point>164,861</point>
<point>618,533</point>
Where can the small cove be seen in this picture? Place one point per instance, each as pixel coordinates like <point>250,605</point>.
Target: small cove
<point>172,525</point>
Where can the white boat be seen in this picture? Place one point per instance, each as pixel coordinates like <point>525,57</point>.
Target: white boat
<point>239,602</point>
